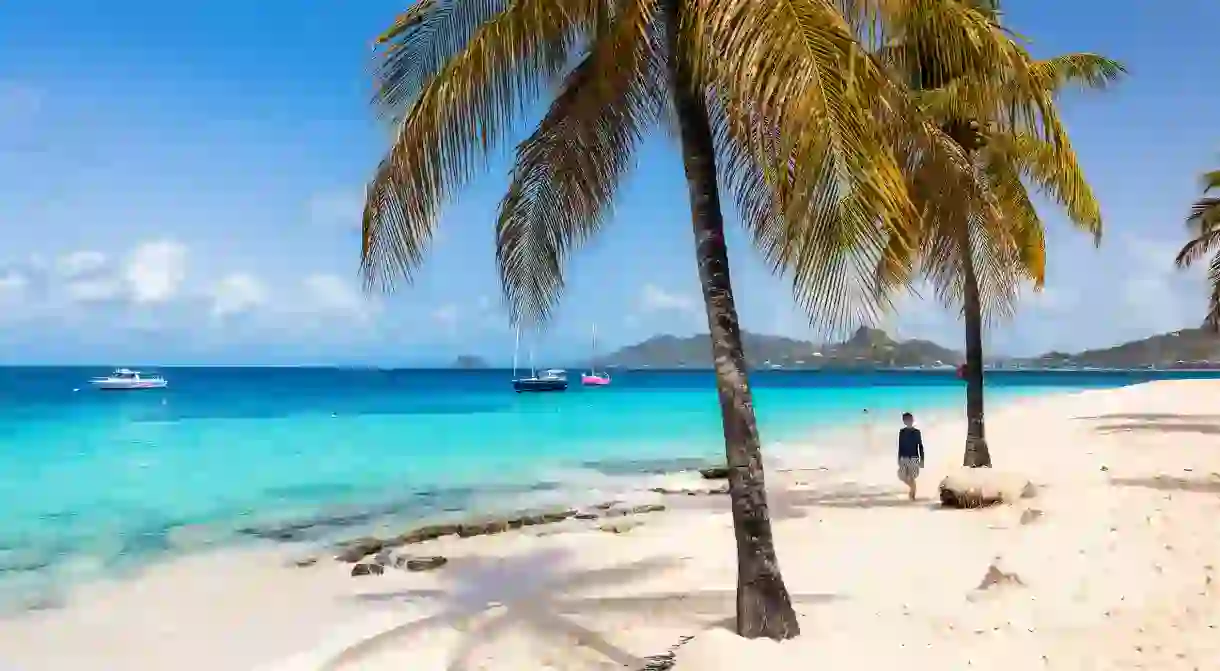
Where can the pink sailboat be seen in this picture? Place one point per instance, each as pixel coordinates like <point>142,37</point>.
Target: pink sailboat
<point>594,378</point>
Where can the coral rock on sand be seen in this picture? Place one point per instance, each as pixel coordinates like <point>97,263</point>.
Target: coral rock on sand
<point>714,472</point>
<point>981,487</point>
<point>995,576</point>
<point>367,569</point>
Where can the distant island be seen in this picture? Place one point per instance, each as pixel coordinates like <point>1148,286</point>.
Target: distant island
<point>874,348</point>
<point>1187,348</point>
<point>468,362</point>
<point>866,348</point>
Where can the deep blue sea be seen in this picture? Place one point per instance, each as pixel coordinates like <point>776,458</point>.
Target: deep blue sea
<point>93,482</point>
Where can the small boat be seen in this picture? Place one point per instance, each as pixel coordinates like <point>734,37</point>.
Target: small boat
<point>553,379</point>
<point>593,378</point>
<point>125,379</point>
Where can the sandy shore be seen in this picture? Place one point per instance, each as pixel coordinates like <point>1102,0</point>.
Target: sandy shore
<point>1115,572</point>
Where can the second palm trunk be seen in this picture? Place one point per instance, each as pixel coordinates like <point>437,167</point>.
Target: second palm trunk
<point>976,454</point>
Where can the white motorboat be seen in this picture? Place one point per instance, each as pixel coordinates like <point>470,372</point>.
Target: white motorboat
<point>124,379</point>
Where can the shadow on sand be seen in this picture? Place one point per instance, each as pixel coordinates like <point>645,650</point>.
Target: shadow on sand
<point>1205,424</point>
<point>1167,483</point>
<point>540,591</point>
<point>785,503</point>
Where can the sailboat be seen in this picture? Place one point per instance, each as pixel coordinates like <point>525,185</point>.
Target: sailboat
<point>551,380</point>
<point>593,378</point>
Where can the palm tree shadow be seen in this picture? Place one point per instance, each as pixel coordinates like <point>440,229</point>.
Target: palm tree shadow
<point>793,503</point>
<point>489,596</point>
<point>514,591</point>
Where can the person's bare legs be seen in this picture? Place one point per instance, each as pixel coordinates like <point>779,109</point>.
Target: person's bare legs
<point>912,485</point>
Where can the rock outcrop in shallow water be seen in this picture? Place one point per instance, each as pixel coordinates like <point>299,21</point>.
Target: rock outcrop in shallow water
<point>357,549</point>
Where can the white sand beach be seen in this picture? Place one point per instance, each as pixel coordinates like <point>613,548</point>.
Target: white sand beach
<point>1113,563</point>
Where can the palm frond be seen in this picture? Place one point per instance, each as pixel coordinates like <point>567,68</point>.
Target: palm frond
<point>798,92</point>
<point>1210,181</point>
<point>1019,218</point>
<point>420,42</point>
<point>1079,71</point>
<point>1054,171</point>
<point>567,172</point>
<point>1198,247</point>
<point>459,114</point>
<point>1204,215</point>
<point>1212,321</point>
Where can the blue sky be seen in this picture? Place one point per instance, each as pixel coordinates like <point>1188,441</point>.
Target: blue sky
<point>181,183</point>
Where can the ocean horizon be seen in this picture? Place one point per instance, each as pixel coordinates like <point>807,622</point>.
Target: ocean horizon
<point>97,483</point>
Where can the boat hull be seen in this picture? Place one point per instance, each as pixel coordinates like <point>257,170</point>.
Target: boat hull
<point>115,386</point>
<point>522,386</point>
<point>594,381</point>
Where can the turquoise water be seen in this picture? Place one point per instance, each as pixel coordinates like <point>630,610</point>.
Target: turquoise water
<point>95,481</point>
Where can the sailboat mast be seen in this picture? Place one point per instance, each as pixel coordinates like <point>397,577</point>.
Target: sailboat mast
<point>593,353</point>
<point>516,346</point>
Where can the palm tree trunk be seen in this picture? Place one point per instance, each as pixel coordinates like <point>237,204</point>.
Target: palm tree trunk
<point>976,455</point>
<point>764,607</point>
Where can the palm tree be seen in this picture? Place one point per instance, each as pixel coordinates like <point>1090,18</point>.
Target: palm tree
<point>1204,226</point>
<point>789,124</point>
<point>982,237</point>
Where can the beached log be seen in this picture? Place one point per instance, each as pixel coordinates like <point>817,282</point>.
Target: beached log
<point>690,491</point>
<point>417,564</point>
<point>715,473</point>
<point>982,487</point>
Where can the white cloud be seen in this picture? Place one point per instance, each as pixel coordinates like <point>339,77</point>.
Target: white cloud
<point>331,294</point>
<point>447,316</point>
<point>237,293</point>
<point>656,299</point>
<point>79,263</point>
<point>12,285</point>
<point>342,209</point>
<point>155,271</point>
<point>97,290</point>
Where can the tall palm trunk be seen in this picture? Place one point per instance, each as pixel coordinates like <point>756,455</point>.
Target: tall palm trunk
<point>976,454</point>
<point>763,605</point>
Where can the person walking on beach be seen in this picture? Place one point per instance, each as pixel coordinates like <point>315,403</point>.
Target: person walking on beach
<point>910,453</point>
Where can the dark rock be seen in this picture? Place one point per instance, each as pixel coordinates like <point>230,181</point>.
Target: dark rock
<point>302,562</point>
<point>355,550</point>
<point>1030,515</point>
<point>995,576</point>
<point>715,473</point>
<point>426,533</point>
<point>417,564</point>
<point>647,508</point>
<point>605,505</point>
<point>367,569</point>
<point>586,516</point>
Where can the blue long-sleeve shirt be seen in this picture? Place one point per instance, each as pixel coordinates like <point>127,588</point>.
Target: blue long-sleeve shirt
<point>910,443</point>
